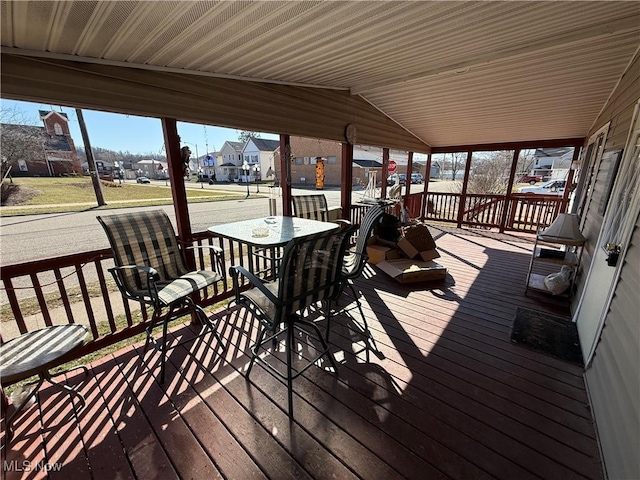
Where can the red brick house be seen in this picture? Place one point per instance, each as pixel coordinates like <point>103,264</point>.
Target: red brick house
<point>59,154</point>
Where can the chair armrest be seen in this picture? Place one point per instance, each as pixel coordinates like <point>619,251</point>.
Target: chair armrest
<point>343,223</point>
<point>152,277</point>
<point>237,270</point>
<point>152,273</point>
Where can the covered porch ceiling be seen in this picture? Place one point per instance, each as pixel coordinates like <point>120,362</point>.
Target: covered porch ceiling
<point>409,75</point>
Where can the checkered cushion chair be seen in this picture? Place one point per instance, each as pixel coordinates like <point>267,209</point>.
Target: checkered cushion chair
<point>309,274</point>
<point>311,206</point>
<point>149,268</point>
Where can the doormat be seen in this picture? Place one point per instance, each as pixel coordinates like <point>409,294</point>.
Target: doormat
<point>549,334</point>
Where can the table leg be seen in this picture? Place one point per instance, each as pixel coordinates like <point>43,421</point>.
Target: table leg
<point>22,404</point>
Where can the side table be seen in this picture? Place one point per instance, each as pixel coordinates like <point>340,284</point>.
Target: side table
<point>34,353</point>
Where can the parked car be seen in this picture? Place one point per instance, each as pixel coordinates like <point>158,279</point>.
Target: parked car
<point>143,180</point>
<point>552,187</point>
<point>417,178</point>
<point>402,179</point>
<point>530,179</point>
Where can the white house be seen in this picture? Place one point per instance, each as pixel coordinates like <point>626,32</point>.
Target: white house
<point>260,153</point>
<point>228,161</point>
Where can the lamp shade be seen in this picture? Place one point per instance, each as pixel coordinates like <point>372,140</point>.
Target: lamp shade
<point>564,229</point>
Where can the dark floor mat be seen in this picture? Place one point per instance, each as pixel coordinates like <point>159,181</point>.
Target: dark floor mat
<point>549,334</point>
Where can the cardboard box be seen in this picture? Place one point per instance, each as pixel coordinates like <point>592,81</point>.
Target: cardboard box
<point>380,252</point>
<point>412,252</point>
<point>406,270</point>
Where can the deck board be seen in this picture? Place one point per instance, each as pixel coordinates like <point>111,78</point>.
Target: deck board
<point>436,390</point>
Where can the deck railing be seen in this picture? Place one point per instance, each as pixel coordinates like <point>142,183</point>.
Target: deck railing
<point>79,289</point>
<point>522,212</point>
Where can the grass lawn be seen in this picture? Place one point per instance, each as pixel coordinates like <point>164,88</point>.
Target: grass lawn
<point>80,190</point>
<point>64,194</point>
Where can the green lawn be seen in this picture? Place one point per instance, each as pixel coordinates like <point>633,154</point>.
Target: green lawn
<point>80,190</point>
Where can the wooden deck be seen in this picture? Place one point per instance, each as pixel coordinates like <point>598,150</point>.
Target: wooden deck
<point>438,391</point>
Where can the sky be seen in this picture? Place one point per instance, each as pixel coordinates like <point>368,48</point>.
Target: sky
<point>131,133</point>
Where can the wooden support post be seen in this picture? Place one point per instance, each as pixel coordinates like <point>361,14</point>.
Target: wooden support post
<point>407,184</point>
<point>425,191</point>
<point>507,197</point>
<point>568,185</point>
<point>346,185</point>
<point>463,194</point>
<point>285,169</point>
<point>385,173</point>
<point>178,192</point>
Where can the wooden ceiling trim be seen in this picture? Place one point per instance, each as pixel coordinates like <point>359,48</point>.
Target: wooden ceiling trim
<point>232,103</point>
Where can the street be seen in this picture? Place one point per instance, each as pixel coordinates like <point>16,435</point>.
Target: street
<point>33,237</point>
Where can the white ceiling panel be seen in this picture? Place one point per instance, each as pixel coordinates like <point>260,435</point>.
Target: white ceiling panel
<point>449,72</point>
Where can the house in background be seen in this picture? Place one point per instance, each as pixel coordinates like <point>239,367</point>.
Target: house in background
<point>261,153</point>
<point>552,163</point>
<point>305,151</point>
<point>228,161</point>
<point>152,169</point>
<point>58,157</point>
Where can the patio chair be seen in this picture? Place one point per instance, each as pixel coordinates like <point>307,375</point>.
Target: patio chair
<point>150,269</point>
<point>355,260</point>
<point>311,206</point>
<point>309,274</point>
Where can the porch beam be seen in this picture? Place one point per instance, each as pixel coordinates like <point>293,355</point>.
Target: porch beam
<point>285,169</point>
<point>178,191</point>
<point>562,142</point>
<point>507,198</point>
<point>347,180</point>
<point>463,194</point>
<point>385,173</point>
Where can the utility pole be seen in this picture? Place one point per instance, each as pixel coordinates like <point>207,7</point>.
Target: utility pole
<point>93,171</point>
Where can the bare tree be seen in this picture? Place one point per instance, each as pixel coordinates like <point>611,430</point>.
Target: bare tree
<point>21,140</point>
<point>458,162</point>
<point>490,172</point>
<point>244,135</point>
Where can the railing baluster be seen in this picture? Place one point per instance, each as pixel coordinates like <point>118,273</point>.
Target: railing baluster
<point>44,309</point>
<point>15,306</point>
<point>105,295</point>
<point>87,301</point>
<point>63,295</point>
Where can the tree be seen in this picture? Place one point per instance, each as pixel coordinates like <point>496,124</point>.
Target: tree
<point>244,135</point>
<point>21,140</point>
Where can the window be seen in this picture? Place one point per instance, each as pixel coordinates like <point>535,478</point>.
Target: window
<point>331,159</point>
<point>23,165</point>
<point>57,128</point>
<point>299,161</point>
<point>254,158</point>
<point>247,158</point>
<point>625,190</point>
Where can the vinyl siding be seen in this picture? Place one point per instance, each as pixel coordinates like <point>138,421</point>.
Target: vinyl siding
<point>613,378</point>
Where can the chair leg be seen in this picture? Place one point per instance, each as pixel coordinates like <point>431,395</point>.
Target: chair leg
<point>255,349</point>
<point>288,348</point>
<point>327,315</point>
<point>163,348</point>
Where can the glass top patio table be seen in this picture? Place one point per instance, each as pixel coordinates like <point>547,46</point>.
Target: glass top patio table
<point>271,231</point>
